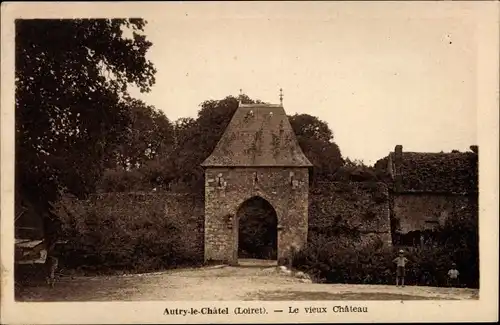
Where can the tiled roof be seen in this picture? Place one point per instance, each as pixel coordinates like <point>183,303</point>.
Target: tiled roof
<point>455,172</point>
<point>258,135</point>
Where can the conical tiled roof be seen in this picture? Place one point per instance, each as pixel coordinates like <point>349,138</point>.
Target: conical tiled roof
<point>258,135</point>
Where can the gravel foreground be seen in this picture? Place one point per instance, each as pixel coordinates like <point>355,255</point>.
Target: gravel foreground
<point>247,282</point>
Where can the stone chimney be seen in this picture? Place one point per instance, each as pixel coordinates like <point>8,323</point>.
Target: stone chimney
<point>398,151</point>
<point>398,160</point>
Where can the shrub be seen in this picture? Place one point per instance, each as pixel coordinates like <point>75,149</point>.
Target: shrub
<point>121,180</point>
<point>340,258</point>
<point>102,241</point>
<point>337,260</point>
<point>459,239</point>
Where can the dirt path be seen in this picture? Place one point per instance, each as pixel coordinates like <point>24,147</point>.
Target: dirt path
<point>246,282</point>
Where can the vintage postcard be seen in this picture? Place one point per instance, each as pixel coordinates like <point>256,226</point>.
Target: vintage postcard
<point>249,162</point>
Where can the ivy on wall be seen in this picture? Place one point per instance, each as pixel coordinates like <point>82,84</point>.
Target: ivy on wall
<point>132,231</point>
<point>348,208</point>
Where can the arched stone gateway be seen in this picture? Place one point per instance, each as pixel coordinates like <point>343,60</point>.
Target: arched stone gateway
<point>257,229</point>
<point>258,155</point>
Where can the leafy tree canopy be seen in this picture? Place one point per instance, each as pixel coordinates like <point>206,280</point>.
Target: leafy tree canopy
<point>150,135</point>
<point>316,140</point>
<point>195,139</point>
<point>72,104</point>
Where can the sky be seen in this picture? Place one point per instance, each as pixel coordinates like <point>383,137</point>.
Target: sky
<point>379,75</point>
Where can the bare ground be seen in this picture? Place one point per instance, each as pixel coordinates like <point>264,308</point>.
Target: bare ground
<point>249,281</point>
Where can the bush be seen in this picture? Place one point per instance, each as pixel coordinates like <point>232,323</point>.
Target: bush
<point>100,241</point>
<point>459,238</point>
<point>335,254</point>
<point>121,180</point>
<point>333,260</point>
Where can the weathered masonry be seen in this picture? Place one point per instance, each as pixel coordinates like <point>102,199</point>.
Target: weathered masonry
<point>428,189</point>
<point>258,155</point>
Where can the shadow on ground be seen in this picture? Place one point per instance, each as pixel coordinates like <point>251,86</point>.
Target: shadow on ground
<point>250,281</point>
<point>305,296</point>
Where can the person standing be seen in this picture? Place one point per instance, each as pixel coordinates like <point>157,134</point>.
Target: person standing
<point>400,261</point>
<point>453,276</point>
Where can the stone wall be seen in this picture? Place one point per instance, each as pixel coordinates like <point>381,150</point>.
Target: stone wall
<point>360,208</point>
<point>286,189</point>
<point>125,215</point>
<point>418,211</point>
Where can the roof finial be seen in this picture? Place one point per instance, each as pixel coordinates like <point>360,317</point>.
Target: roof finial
<point>281,96</point>
<point>241,96</point>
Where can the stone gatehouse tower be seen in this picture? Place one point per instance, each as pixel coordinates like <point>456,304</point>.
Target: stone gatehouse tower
<point>257,156</point>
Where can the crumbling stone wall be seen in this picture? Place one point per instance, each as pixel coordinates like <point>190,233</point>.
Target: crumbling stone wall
<point>127,210</point>
<point>226,189</point>
<point>349,207</point>
<point>212,228</point>
<point>424,211</point>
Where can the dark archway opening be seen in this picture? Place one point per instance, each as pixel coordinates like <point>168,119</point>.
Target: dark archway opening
<point>257,230</point>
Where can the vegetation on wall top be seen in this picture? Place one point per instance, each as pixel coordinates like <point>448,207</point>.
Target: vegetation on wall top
<point>455,172</point>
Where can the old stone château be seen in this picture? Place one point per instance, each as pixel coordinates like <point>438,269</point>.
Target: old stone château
<point>258,156</point>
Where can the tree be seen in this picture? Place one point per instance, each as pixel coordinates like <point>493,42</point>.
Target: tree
<point>316,140</point>
<point>357,171</point>
<point>120,179</point>
<point>150,134</point>
<point>182,128</point>
<point>72,104</point>
<point>197,139</point>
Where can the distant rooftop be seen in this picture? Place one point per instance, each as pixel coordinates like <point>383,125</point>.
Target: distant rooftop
<point>258,135</point>
<point>443,172</point>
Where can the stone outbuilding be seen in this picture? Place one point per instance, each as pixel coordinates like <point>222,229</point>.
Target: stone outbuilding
<point>257,156</point>
<point>428,188</point>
